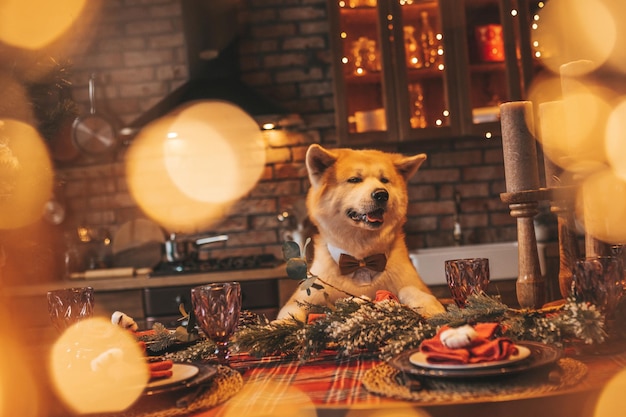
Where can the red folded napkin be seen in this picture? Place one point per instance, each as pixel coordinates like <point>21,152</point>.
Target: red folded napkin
<point>161,369</point>
<point>482,348</point>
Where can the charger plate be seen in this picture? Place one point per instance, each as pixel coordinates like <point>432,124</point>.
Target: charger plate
<point>184,375</point>
<point>388,381</point>
<point>540,355</point>
<point>222,386</point>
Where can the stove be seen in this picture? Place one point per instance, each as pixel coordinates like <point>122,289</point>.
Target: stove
<point>230,263</point>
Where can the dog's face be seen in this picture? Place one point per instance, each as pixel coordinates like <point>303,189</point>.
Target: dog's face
<point>358,191</point>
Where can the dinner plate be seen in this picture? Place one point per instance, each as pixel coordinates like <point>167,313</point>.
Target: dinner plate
<point>540,355</point>
<point>421,359</point>
<point>182,371</point>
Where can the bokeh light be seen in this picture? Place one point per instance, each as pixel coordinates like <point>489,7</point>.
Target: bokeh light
<point>405,410</point>
<point>26,174</point>
<point>188,168</point>
<point>601,206</point>
<point>611,401</point>
<point>98,367</point>
<point>36,23</point>
<point>571,30</point>
<point>267,399</point>
<point>617,59</point>
<point>615,143</point>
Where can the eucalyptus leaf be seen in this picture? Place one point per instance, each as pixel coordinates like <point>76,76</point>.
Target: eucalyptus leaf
<point>291,250</point>
<point>308,283</point>
<point>296,268</point>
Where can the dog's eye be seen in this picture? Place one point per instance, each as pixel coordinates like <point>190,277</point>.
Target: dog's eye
<point>354,180</point>
<point>384,180</point>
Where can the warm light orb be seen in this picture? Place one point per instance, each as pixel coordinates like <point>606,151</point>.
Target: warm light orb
<point>216,151</point>
<point>266,399</point>
<point>36,23</point>
<point>611,401</point>
<point>571,130</point>
<point>399,411</point>
<point>616,139</point>
<point>98,367</point>
<point>617,60</point>
<point>601,206</point>
<point>26,174</point>
<point>570,30</point>
<point>544,88</point>
<point>187,169</point>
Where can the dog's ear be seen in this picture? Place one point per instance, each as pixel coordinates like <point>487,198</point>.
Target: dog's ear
<point>318,160</point>
<point>408,166</point>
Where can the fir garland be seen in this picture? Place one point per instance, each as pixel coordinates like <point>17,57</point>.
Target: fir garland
<point>387,327</point>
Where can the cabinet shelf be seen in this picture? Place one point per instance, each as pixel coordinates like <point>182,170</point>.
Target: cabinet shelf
<point>488,67</point>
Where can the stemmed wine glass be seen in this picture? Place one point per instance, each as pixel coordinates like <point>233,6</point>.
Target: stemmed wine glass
<point>466,277</point>
<point>217,307</point>
<point>69,305</point>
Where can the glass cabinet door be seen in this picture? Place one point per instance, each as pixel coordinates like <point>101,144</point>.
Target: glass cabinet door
<point>408,70</point>
<point>364,104</point>
<point>392,83</point>
<point>423,84</point>
<point>493,75</point>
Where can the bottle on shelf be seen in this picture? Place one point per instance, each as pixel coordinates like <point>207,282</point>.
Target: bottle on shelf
<point>365,56</point>
<point>429,41</point>
<point>416,96</point>
<point>412,49</point>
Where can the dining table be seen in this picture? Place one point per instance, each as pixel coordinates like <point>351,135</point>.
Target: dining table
<point>362,384</point>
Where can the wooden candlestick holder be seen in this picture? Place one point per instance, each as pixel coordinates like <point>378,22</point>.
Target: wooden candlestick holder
<point>530,285</point>
<point>562,206</point>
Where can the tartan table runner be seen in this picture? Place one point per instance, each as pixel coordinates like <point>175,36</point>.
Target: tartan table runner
<point>326,380</point>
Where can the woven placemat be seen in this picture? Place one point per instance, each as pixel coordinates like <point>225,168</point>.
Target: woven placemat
<point>226,383</point>
<point>386,380</point>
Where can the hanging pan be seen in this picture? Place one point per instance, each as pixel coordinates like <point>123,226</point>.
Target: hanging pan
<point>92,134</point>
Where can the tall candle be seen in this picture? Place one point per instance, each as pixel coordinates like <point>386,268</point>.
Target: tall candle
<point>518,145</point>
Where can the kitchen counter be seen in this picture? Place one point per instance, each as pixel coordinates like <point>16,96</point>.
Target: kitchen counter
<point>146,281</point>
<point>264,290</point>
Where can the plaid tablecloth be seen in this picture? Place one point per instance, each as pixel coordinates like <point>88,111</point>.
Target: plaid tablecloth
<point>278,386</point>
<point>274,385</point>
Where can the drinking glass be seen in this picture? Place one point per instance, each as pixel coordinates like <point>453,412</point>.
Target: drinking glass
<point>217,307</point>
<point>599,280</point>
<point>466,277</point>
<point>70,305</point>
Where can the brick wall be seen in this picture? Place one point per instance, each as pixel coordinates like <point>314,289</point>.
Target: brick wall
<point>138,51</point>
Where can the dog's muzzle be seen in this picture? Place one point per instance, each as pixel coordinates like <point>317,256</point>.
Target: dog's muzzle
<point>374,217</point>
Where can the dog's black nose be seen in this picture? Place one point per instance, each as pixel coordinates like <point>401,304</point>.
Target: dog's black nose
<point>380,195</point>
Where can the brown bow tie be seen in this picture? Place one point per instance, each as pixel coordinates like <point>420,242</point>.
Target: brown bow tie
<point>349,264</point>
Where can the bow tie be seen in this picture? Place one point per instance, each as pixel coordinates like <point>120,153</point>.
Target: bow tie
<point>349,264</point>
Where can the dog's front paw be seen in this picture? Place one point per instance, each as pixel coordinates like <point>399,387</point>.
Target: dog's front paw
<point>427,304</point>
<point>291,310</point>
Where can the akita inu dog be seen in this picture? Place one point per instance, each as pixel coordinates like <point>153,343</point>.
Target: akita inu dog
<point>358,202</point>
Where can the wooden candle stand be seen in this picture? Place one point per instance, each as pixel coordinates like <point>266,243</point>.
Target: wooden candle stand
<point>530,286</point>
<point>562,206</point>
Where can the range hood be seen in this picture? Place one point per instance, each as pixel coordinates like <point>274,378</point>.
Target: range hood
<point>211,29</point>
<point>228,89</point>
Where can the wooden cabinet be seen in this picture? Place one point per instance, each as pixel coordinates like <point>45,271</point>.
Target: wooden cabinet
<point>422,69</point>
